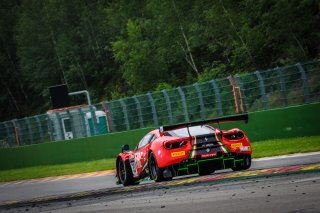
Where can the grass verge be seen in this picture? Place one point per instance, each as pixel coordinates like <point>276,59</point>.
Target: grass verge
<point>56,170</point>
<point>260,149</point>
<point>285,146</point>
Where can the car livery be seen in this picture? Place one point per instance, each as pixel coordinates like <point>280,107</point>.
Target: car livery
<point>184,149</point>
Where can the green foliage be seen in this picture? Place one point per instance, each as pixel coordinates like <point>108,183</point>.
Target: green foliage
<point>122,48</point>
<point>162,86</point>
<point>212,73</point>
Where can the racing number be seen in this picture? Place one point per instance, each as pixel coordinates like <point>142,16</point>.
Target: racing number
<point>137,159</point>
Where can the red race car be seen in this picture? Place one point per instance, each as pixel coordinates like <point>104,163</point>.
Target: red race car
<point>185,149</point>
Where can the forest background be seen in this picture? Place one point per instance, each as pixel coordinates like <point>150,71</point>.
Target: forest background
<point>119,48</point>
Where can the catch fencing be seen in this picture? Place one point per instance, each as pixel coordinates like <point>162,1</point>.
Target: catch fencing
<point>260,90</point>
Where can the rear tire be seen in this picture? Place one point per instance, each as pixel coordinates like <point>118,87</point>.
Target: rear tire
<point>124,173</point>
<point>156,173</point>
<point>246,163</point>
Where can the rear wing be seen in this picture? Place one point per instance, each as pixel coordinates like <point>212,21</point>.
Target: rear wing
<point>233,118</point>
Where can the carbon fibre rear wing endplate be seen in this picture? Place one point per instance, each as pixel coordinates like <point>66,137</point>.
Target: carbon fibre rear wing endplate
<point>233,118</point>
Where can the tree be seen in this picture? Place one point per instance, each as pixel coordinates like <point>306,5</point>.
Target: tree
<point>13,92</point>
<point>122,48</point>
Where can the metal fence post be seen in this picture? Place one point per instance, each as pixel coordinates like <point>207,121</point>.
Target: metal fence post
<point>200,97</point>
<point>60,126</point>
<point>235,96</point>
<point>153,108</point>
<point>9,136</point>
<point>242,93</point>
<point>138,107</point>
<point>166,96</point>
<point>94,119</point>
<point>262,90</point>
<point>109,117</point>
<point>217,97</point>
<point>125,114</point>
<point>282,86</point>
<point>39,127</point>
<point>184,105</point>
<point>17,130</point>
<point>83,120</point>
<point>304,83</point>
<point>30,133</point>
<point>50,128</point>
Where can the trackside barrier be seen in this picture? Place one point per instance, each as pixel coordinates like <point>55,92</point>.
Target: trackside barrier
<point>277,123</point>
<point>260,90</point>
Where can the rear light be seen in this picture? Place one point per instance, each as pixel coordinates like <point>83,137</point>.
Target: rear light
<point>168,145</point>
<point>234,136</point>
<point>174,145</point>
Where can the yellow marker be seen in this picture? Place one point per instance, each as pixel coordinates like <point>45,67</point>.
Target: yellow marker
<point>177,154</point>
<point>236,145</point>
<point>310,167</point>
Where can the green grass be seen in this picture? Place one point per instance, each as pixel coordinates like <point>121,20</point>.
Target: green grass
<point>285,146</point>
<point>260,149</point>
<point>56,170</point>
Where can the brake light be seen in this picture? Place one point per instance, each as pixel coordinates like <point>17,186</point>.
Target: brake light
<point>174,145</point>
<point>234,136</point>
<point>168,145</point>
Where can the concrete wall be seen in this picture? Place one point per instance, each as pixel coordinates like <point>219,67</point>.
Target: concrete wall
<point>277,123</point>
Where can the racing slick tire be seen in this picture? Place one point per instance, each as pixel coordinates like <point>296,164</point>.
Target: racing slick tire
<point>124,173</point>
<point>155,172</point>
<point>246,164</point>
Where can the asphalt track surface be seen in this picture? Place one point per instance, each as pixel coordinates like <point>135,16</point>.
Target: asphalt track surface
<point>286,192</point>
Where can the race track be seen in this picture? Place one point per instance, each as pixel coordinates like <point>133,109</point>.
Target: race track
<point>99,192</point>
<point>293,193</point>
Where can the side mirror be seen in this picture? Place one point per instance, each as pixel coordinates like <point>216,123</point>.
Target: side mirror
<point>125,148</point>
<point>161,132</point>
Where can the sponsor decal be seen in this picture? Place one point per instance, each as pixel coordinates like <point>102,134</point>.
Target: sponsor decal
<point>209,155</point>
<point>236,145</point>
<point>137,159</point>
<point>245,148</point>
<point>133,167</point>
<point>177,154</point>
<point>207,145</point>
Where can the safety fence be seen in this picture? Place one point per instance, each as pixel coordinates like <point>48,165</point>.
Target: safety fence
<point>287,122</point>
<point>249,92</point>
